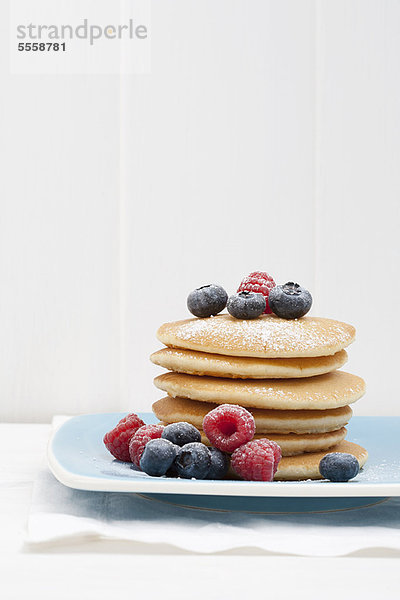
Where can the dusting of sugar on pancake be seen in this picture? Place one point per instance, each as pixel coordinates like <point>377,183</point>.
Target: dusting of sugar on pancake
<point>266,336</point>
<point>321,392</point>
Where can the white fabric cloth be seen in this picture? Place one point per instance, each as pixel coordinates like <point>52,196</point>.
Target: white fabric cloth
<point>61,513</point>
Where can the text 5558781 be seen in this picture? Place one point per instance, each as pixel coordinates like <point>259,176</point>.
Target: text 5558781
<point>41,47</point>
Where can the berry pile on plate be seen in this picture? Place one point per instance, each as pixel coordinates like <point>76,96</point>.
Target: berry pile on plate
<point>173,450</point>
<point>257,294</point>
<point>176,450</point>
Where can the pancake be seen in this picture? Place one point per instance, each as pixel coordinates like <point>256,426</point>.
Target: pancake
<point>313,393</point>
<point>305,466</point>
<point>174,410</point>
<point>216,365</point>
<point>292,444</point>
<point>267,336</point>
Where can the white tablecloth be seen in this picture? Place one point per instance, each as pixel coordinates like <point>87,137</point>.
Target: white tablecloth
<point>94,569</point>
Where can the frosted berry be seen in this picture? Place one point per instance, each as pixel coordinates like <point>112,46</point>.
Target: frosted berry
<point>256,461</point>
<point>277,453</point>
<point>339,466</point>
<point>219,464</point>
<point>207,300</point>
<point>181,433</point>
<point>229,426</point>
<point>172,472</point>
<point>258,282</point>
<point>158,456</point>
<point>117,440</point>
<point>193,460</point>
<point>246,305</point>
<point>290,301</point>
<point>139,440</point>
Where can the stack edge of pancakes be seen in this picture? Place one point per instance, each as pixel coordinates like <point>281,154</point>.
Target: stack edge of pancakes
<point>285,372</point>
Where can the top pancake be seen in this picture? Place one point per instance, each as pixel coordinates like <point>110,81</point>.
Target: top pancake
<point>267,336</point>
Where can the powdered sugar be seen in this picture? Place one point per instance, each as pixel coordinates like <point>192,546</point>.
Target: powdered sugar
<point>265,336</point>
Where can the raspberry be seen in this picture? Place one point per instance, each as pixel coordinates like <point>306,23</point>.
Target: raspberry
<point>117,440</point>
<point>139,440</point>
<point>229,426</point>
<point>277,453</point>
<point>258,282</point>
<point>257,460</point>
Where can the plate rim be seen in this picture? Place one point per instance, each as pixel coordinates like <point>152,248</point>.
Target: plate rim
<point>154,485</point>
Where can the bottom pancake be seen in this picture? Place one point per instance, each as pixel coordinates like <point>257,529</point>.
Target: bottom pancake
<point>306,466</point>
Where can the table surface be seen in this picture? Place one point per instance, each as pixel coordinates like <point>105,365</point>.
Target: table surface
<point>93,570</point>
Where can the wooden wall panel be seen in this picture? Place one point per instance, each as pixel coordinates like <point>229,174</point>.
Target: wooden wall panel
<point>219,162</point>
<point>358,186</point>
<point>265,137</point>
<point>59,246</point>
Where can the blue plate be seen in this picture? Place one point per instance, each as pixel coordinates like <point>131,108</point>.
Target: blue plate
<point>79,459</point>
<point>263,505</point>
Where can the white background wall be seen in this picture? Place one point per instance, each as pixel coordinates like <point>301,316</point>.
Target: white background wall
<point>266,137</point>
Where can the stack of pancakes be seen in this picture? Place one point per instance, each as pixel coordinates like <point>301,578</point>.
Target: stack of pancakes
<point>283,371</point>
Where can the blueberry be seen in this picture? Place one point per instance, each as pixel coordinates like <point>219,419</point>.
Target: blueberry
<point>193,460</point>
<point>181,433</point>
<point>219,464</point>
<point>290,301</point>
<point>246,305</point>
<point>157,457</point>
<point>339,466</point>
<point>207,300</point>
<point>172,471</point>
